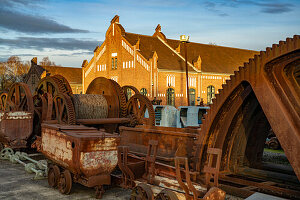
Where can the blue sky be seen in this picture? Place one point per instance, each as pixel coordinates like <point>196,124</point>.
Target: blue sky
<point>68,30</point>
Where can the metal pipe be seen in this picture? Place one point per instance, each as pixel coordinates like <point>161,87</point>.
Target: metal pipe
<point>103,121</point>
<point>187,74</point>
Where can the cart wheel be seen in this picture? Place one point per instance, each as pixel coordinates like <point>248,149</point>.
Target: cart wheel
<point>166,195</point>
<point>99,191</point>
<point>142,192</point>
<point>53,176</point>
<point>65,182</point>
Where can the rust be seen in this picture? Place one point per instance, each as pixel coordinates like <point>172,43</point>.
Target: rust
<point>104,121</point>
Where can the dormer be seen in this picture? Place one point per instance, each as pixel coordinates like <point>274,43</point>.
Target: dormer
<point>178,48</point>
<point>137,44</point>
<point>159,34</point>
<point>198,63</point>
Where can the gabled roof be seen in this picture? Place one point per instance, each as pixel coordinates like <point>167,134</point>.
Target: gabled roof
<point>217,59</point>
<point>72,74</point>
<point>167,59</point>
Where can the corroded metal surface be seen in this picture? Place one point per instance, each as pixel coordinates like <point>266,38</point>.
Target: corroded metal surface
<point>169,140</point>
<point>16,128</point>
<point>83,151</point>
<point>263,94</point>
<point>3,97</point>
<point>90,106</point>
<point>137,106</point>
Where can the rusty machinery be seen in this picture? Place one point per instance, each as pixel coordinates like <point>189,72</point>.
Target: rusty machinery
<point>263,94</point>
<point>165,162</point>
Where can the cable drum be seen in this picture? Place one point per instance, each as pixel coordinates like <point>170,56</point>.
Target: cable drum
<point>90,106</point>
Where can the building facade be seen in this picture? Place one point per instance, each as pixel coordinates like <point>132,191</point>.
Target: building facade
<point>155,65</point>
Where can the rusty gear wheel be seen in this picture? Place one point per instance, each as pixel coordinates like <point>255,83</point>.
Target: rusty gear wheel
<point>142,191</point>
<point>137,106</point>
<point>63,111</point>
<point>65,83</point>
<point>19,98</point>
<point>234,94</point>
<point>166,194</point>
<point>122,98</point>
<point>53,85</point>
<point>3,97</point>
<point>127,89</point>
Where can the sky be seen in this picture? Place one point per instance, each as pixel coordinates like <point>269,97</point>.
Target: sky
<point>67,31</point>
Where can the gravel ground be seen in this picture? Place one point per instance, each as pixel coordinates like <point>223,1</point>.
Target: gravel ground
<point>16,184</point>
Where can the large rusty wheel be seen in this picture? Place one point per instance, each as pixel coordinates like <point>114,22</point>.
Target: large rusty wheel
<point>53,85</point>
<point>65,182</point>
<point>166,195</point>
<point>137,106</point>
<point>141,192</point>
<point>113,94</point>
<point>3,97</point>
<point>19,98</point>
<point>63,110</point>
<point>128,89</point>
<point>53,176</point>
<point>122,98</point>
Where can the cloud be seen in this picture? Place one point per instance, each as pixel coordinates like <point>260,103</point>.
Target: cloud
<point>50,43</point>
<point>276,8</point>
<point>265,7</point>
<point>12,19</point>
<point>211,6</point>
<point>271,8</point>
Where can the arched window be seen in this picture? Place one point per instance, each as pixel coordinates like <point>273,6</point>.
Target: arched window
<point>210,94</point>
<point>129,94</point>
<point>171,96</point>
<point>192,96</point>
<point>143,91</point>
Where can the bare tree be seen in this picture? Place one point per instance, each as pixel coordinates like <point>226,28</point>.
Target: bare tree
<point>46,62</point>
<point>11,71</point>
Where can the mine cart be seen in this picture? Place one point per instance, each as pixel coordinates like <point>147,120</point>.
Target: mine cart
<point>150,179</point>
<point>79,154</point>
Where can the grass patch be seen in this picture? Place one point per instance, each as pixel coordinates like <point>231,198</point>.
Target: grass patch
<point>274,151</point>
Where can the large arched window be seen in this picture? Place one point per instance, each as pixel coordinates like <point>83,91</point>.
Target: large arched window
<point>210,94</point>
<point>129,94</point>
<point>192,96</point>
<point>171,96</point>
<point>143,91</point>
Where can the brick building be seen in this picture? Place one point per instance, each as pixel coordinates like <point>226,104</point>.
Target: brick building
<point>156,65</point>
<point>37,72</point>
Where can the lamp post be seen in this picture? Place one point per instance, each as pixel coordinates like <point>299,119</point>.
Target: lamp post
<point>185,39</point>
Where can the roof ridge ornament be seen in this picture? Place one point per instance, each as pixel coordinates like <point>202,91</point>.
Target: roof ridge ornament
<point>159,34</point>
<point>158,28</point>
<point>116,19</point>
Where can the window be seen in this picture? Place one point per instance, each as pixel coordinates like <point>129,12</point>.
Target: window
<point>210,94</point>
<point>144,91</point>
<point>129,94</point>
<point>116,63</point>
<point>112,63</point>
<point>171,96</point>
<point>192,97</point>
